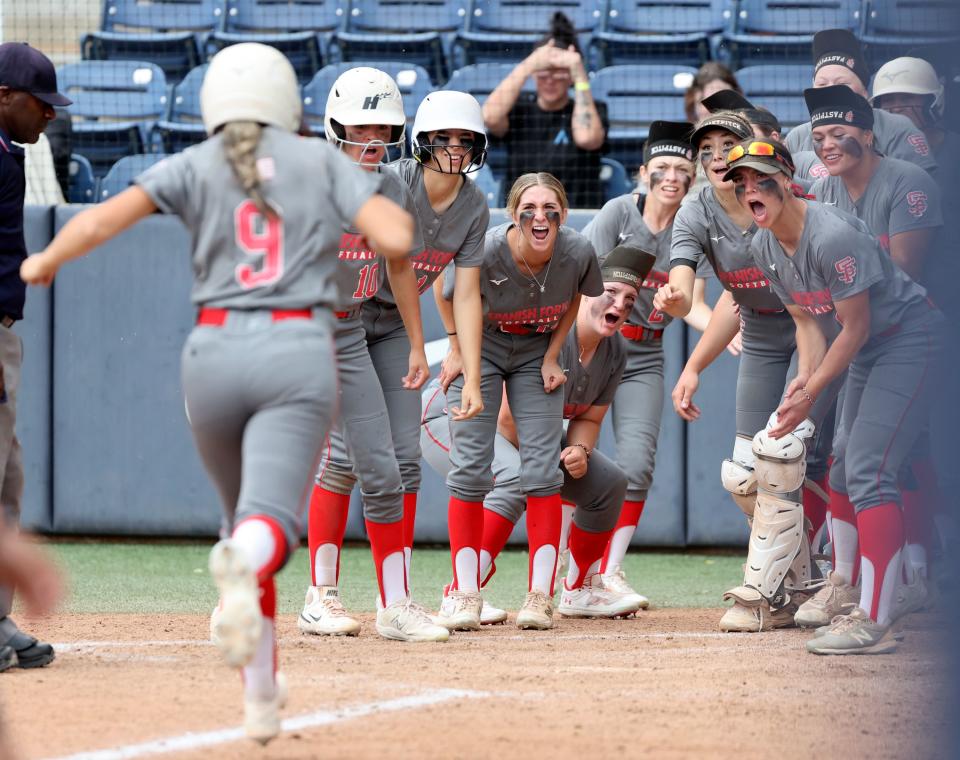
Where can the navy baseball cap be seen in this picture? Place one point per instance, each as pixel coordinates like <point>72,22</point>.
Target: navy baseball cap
<point>25,68</point>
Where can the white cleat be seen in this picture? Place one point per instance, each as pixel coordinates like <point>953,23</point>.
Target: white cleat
<point>408,621</point>
<point>261,718</point>
<point>616,580</point>
<point>536,612</point>
<point>490,615</point>
<point>238,625</point>
<point>910,597</point>
<point>594,600</point>
<point>323,614</point>
<point>460,611</point>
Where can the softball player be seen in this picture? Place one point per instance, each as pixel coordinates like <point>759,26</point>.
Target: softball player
<point>534,272</point>
<point>900,205</point>
<point>593,357</point>
<point>645,220</point>
<point>828,269</point>
<point>449,141</point>
<point>714,225</point>
<point>259,372</point>
<point>364,118</point>
<point>838,59</point>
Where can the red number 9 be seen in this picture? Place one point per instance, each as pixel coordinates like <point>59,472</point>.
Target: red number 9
<point>262,236</point>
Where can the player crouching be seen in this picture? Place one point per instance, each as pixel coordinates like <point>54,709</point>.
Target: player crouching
<point>593,358</point>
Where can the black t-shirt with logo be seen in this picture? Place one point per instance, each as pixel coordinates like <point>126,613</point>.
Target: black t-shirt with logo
<point>542,141</point>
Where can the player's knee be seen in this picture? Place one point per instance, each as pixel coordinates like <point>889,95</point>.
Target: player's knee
<point>336,480</point>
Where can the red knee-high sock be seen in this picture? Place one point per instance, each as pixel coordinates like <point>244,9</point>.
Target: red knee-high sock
<point>465,523</point>
<point>815,507</point>
<point>629,519</point>
<point>585,552</point>
<point>881,536</point>
<point>386,539</point>
<point>543,529</point>
<point>846,557</point>
<point>496,531</point>
<point>326,524</point>
<point>409,519</point>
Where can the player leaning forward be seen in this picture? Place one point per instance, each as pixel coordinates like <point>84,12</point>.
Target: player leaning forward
<point>827,268</point>
<point>266,210</point>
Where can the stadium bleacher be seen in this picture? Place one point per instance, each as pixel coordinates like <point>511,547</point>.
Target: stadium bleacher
<point>137,90</point>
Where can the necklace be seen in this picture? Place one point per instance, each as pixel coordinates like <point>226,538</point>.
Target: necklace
<point>546,274</point>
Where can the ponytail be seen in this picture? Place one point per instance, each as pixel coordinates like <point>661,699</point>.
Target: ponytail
<point>240,142</point>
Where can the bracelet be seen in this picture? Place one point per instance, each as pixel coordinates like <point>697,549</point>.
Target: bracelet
<point>452,333</point>
<point>585,449</point>
<point>581,86</point>
<point>807,397</point>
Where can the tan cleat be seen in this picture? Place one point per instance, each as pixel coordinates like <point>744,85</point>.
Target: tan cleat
<point>408,621</point>
<point>460,611</point>
<point>743,619</point>
<point>323,614</point>
<point>536,612</point>
<point>238,624</point>
<point>835,597</point>
<point>855,633</point>
<point>261,718</point>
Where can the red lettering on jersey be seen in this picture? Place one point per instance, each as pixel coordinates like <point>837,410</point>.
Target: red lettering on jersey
<point>917,203</point>
<point>813,302</point>
<point>749,278</point>
<point>354,247</point>
<point>847,269</point>
<point>919,143</point>
<point>538,318</point>
<point>655,279</point>
<point>819,171</point>
<point>431,261</point>
<point>261,236</point>
<point>571,411</point>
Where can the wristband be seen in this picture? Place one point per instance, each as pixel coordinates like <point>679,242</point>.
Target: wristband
<point>807,397</point>
<point>581,86</point>
<point>452,333</point>
<point>585,449</point>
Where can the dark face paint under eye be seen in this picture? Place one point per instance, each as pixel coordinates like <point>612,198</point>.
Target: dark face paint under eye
<point>706,157</point>
<point>740,190</point>
<point>770,186</point>
<point>656,178</point>
<point>553,217</point>
<point>849,145</point>
<point>601,304</point>
<point>526,218</point>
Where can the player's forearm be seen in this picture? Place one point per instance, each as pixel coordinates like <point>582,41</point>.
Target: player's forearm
<point>811,346</point>
<point>403,282</point>
<point>588,132</point>
<point>387,227</point>
<point>445,310</point>
<point>468,317</point>
<point>682,278</point>
<point>723,326</point>
<point>583,432</point>
<point>497,107</point>
<point>838,357</point>
<point>559,335</point>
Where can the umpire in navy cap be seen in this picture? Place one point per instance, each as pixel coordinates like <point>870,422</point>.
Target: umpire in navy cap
<point>28,93</point>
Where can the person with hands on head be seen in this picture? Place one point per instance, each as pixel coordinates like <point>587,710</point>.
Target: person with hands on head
<point>534,271</point>
<point>715,226</point>
<point>550,131</point>
<point>364,118</point>
<point>594,356</point>
<point>259,369</point>
<point>829,270</point>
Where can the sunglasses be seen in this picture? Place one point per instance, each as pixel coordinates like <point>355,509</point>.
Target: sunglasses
<point>753,149</point>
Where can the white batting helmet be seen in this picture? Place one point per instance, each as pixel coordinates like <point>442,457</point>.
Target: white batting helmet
<point>250,82</point>
<point>449,109</point>
<point>364,95</point>
<point>909,76</point>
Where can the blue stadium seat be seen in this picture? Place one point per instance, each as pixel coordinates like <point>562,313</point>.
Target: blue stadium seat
<point>416,31</point>
<point>779,89</point>
<point>894,28</point>
<point>507,30</point>
<point>300,29</point>
<point>490,185</point>
<point>114,106</point>
<point>781,31</point>
<point>480,79</point>
<point>616,181</point>
<point>122,173</point>
<point>637,94</point>
<point>646,31</point>
<point>83,184</point>
<point>413,81</point>
<point>164,32</point>
<point>182,126</point>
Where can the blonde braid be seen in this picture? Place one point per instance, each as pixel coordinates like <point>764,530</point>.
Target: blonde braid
<point>240,141</point>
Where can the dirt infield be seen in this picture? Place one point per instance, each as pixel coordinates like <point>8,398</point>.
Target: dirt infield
<point>665,685</point>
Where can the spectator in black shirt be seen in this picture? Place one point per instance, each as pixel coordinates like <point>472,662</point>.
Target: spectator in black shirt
<point>548,131</point>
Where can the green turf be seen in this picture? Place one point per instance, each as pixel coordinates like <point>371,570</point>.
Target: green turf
<point>173,577</point>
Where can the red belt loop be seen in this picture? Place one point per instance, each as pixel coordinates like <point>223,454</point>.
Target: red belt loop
<point>281,314</point>
<point>639,334</point>
<point>343,314</point>
<point>515,329</point>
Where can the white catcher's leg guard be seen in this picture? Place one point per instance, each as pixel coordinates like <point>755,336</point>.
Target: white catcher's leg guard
<point>738,477</point>
<point>778,560</point>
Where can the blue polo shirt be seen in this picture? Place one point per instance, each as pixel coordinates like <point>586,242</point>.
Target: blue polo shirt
<point>13,248</point>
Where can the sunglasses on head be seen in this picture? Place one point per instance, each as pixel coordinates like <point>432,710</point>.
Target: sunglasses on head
<point>753,149</point>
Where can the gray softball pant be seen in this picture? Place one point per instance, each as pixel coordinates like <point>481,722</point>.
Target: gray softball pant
<point>514,360</point>
<point>11,459</point>
<point>598,495</point>
<point>886,408</point>
<point>636,413</point>
<point>359,446</point>
<point>767,365</point>
<point>260,398</point>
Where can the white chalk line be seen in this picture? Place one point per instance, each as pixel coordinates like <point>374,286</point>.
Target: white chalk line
<point>194,741</point>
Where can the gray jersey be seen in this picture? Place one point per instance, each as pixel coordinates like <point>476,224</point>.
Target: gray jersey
<point>455,235</point>
<point>621,221</point>
<point>899,197</point>
<point>701,230</point>
<point>513,300</point>
<point>593,385</point>
<point>838,258</point>
<point>240,259</point>
<point>895,135</point>
<point>361,268</point>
